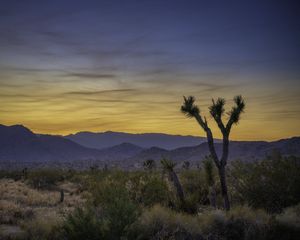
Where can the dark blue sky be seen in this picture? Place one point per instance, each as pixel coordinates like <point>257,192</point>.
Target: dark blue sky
<point>158,49</point>
<point>257,35</point>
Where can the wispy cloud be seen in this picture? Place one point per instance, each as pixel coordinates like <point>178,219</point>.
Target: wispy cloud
<point>89,75</point>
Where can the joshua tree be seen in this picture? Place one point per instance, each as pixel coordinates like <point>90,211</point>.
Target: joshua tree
<point>149,164</point>
<point>190,109</point>
<point>209,175</point>
<point>186,165</point>
<point>168,166</point>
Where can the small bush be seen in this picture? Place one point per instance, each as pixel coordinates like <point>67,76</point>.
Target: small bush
<point>162,223</point>
<point>195,188</point>
<point>42,228</point>
<point>240,223</point>
<point>45,178</point>
<point>154,191</point>
<point>15,175</point>
<point>85,223</point>
<point>272,184</point>
<point>286,226</point>
<point>117,207</point>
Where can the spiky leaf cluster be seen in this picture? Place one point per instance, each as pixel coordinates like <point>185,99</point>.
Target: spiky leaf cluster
<point>217,108</point>
<point>149,164</point>
<point>167,164</point>
<point>237,109</point>
<point>189,108</point>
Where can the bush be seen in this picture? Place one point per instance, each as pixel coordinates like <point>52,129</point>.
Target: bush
<point>41,228</point>
<point>154,191</point>
<point>162,223</point>
<point>240,223</point>
<point>286,226</point>
<point>107,216</point>
<point>85,223</point>
<point>117,207</point>
<point>15,175</point>
<point>272,184</point>
<point>195,189</point>
<point>45,178</point>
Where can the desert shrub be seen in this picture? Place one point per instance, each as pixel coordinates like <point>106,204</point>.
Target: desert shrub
<point>15,175</point>
<point>118,209</point>
<point>272,184</point>
<point>42,229</point>
<point>285,226</point>
<point>108,214</point>
<point>143,188</point>
<point>45,178</point>
<point>154,191</point>
<point>12,213</point>
<point>195,189</point>
<point>85,223</point>
<point>162,223</point>
<point>240,223</point>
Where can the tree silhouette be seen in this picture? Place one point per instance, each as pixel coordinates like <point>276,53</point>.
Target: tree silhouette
<point>149,164</point>
<point>186,165</point>
<point>168,166</point>
<point>190,109</point>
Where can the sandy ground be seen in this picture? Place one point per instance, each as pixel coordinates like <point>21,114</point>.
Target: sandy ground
<point>21,206</point>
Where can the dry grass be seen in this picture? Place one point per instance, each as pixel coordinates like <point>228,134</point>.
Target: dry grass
<point>21,205</point>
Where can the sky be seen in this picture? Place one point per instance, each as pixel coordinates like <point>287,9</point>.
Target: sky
<point>69,66</point>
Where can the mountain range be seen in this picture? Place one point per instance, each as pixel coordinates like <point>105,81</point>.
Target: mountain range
<point>20,147</point>
<point>145,140</point>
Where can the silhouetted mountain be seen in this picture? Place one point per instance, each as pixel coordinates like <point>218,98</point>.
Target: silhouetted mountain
<point>145,140</point>
<point>119,152</point>
<point>243,150</point>
<point>20,146</point>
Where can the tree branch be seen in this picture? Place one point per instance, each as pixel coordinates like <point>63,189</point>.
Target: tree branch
<point>210,139</point>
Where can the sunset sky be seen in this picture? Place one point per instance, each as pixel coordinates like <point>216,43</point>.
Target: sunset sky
<point>69,66</point>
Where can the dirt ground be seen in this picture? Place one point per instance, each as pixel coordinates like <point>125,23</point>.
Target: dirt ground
<point>23,208</point>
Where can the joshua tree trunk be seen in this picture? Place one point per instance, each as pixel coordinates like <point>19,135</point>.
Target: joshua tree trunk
<point>224,191</point>
<point>221,164</point>
<point>212,196</point>
<point>177,185</point>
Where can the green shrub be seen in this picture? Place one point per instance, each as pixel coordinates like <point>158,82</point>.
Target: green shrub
<point>109,213</point>
<point>240,223</point>
<point>154,191</point>
<point>86,223</point>
<point>162,223</point>
<point>15,175</point>
<point>45,178</point>
<point>42,229</point>
<point>195,188</point>
<point>117,207</point>
<point>286,226</point>
<point>272,184</point>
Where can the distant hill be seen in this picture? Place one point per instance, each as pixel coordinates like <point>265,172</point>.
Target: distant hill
<point>21,147</point>
<point>119,152</point>
<point>243,150</point>
<point>144,140</point>
<point>19,144</point>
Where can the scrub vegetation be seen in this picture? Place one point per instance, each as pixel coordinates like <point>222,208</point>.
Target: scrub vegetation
<point>167,202</point>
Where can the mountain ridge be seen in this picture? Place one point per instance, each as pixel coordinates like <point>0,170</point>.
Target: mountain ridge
<point>20,146</point>
<point>106,139</point>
